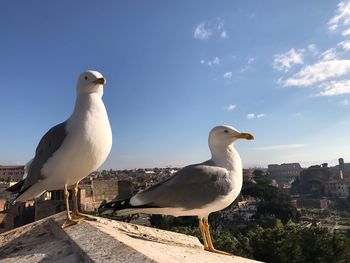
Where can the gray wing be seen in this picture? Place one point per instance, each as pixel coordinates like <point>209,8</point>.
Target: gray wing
<point>47,146</point>
<point>192,187</point>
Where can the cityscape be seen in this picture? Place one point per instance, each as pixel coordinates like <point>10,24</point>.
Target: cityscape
<point>316,196</point>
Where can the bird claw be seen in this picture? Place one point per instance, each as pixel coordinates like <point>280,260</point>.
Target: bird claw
<point>80,217</point>
<point>69,222</point>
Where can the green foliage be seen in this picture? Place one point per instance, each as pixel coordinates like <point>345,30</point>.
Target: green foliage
<point>273,202</point>
<point>268,221</point>
<point>159,222</point>
<point>297,244</point>
<point>262,177</point>
<point>169,222</point>
<point>292,244</point>
<point>284,211</point>
<point>259,190</point>
<point>185,221</point>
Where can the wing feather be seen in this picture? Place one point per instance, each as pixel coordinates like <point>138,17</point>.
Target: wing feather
<point>192,187</point>
<point>47,146</point>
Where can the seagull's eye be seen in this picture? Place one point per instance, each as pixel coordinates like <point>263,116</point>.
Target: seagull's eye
<point>225,131</point>
<point>85,77</point>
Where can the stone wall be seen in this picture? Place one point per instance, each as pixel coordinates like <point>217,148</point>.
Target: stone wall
<point>103,241</point>
<point>49,207</point>
<point>98,191</point>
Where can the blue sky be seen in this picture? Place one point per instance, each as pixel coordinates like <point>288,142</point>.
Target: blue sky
<point>175,69</point>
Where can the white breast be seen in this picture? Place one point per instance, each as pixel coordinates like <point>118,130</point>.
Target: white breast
<point>225,201</point>
<point>86,147</point>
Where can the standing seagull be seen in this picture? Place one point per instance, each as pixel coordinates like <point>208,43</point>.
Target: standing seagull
<point>70,151</point>
<point>195,190</point>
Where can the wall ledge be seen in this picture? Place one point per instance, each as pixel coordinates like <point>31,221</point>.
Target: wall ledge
<point>102,240</point>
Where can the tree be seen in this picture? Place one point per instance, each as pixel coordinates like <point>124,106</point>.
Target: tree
<point>273,201</point>
<point>261,176</point>
<point>159,221</point>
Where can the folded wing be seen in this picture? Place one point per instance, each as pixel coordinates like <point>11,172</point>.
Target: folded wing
<point>192,187</point>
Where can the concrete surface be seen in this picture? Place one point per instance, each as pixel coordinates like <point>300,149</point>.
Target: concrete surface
<point>35,243</point>
<point>102,240</point>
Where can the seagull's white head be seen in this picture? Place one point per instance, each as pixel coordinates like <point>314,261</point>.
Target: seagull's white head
<point>225,135</point>
<point>90,82</point>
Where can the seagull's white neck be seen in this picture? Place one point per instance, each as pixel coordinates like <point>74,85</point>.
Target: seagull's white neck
<point>226,157</point>
<point>85,103</point>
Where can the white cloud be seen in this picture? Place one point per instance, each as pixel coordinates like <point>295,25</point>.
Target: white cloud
<point>250,61</point>
<point>223,34</point>
<point>318,72</point>
<point>334,88</point>
<point>288,59</point>
<point>280,147</point>
<point>210,28</point>
<point>329,54</point>
<point>251,116</point>
<point>220,24</point>
<point>345,102</point>
<point>313,49</point>
<point>345,44</point>
<point>202,32</point>
<point>230,108</point>
<point>228,75</point>
<point>346,32</point>
<point>341,18</point>
<point>215,61</point>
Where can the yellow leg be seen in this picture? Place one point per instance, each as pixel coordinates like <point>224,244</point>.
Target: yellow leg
<point>69,221</point>
<point>209,240</point>
<point>76,214</point>
<point>201,228</point>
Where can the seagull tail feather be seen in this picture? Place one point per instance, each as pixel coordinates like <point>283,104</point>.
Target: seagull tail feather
<point>121,207</point>
<point>16,188</point>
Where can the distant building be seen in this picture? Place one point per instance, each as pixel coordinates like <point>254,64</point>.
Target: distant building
<point>312,181</point>
<point>247,208</point>
<point>93,194</point>
<point>96,188</point>
<point>320,183</point>
<point>11,172</point>
<point>320,173</point>
<point>339,183</point>
<point>341,171</point>
<point>307,202</point>
<point>243,211</point>
<point>338,188</point>
<point>284,173</point>
<point>5,197</point>
<point>16,215</point>
<point>50,203</point>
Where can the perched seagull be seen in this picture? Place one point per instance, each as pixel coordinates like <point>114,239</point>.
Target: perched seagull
<point>195,190</point>
<point>70,151</point>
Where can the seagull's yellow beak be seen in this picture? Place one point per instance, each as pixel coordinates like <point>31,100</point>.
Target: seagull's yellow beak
<point>246,136</point>
<point>100,81</point>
